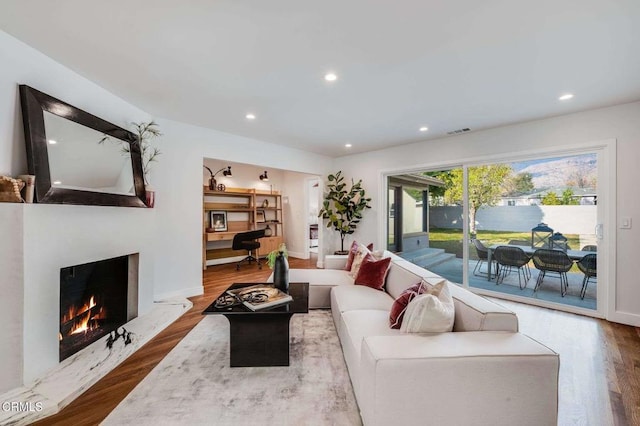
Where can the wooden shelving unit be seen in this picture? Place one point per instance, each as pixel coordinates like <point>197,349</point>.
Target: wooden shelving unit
<point>246,209</point>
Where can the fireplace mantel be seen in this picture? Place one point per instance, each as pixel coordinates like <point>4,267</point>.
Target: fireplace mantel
<point>39,239</point>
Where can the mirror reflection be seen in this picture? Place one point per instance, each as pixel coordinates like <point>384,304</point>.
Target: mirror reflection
<point>80,158</point>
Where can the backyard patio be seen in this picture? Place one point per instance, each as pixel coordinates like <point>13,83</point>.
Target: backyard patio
<point>549,290</point>
<point>446,246</point>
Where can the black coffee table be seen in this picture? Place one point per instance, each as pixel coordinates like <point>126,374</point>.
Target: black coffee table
<point>261,338</point>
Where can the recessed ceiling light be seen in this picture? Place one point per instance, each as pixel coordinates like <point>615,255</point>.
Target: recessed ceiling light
<point>330,77</point>
<point>52,141</point>
<point>250,117</point>
<point>347,145</point>
<point>424,129</point>
<point>566,97</point>
<point>57,182</point>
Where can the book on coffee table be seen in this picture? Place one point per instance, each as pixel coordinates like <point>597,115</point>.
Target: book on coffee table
<point>260,296</point>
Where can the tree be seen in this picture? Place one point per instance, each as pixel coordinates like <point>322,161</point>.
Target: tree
<point>566,199</point>
<point>343,208</point>
<point>485,188</point>
<point>521,183</point>
<point>550,199</point>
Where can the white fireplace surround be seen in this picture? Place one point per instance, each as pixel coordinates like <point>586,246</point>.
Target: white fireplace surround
<point>37,241</point>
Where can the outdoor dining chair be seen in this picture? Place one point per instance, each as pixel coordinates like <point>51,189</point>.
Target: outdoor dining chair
<point>589,267</point>
<point>508,257</point>
<point>483,256</point>
<point>554,261</point>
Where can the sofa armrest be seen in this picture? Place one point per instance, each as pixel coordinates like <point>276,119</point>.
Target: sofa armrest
<point>482,378</point>
<point>335,261</point>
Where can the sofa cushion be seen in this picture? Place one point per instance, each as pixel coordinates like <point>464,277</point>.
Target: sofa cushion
<point>353,297</point>
<point>430,312</point>
<point>358,324</point>
<point>475,313</point>
<point>372,272</point>
<point>399,279</point>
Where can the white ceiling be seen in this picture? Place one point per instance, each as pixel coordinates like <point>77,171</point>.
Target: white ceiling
<point>400,64</point>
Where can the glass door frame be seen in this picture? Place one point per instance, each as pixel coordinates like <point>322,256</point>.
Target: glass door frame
<point>606,157</point>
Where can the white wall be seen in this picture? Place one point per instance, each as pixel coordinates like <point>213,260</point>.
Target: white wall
<point>25,308</point>
<point>178,178</point>
<point>296,209</point>
<point>620,122</point>
<point>170,234</point>
<point>564,219</point>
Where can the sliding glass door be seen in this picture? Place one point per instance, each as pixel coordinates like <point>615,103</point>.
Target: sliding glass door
<point>476,225</point>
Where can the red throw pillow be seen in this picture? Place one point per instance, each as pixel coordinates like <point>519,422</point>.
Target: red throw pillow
<point>400,304</point>
<point>373,272</point>
<point>352,253</point>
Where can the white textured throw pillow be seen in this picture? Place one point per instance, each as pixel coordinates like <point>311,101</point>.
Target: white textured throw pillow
<point>362,252</point>
<point>428,313</point>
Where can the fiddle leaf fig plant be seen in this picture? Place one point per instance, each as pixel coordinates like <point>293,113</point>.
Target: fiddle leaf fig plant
<point>342,206</point>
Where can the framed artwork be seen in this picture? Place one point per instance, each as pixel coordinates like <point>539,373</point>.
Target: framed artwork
<point>218,220</point>
<point>260,216</point>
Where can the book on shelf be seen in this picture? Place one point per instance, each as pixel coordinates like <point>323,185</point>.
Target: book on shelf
<point>260,296</point>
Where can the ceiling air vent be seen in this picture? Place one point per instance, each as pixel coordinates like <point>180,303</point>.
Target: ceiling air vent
<point>455,132</point>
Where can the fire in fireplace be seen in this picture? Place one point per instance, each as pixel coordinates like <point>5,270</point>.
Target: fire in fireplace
<point>93,302</point>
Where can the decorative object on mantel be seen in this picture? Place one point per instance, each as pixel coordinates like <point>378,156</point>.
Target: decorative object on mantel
<point>150,196</point>
<point>29,187</point>
<point>145,132</point>
<point>265,203</point>
<point>213,185</point>
<point>343,208</point>
<point>264,177</point>
<point>10,190</point>
<point>277,260</point>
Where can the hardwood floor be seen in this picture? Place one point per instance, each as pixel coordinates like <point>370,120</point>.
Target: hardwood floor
<point>599,377</point>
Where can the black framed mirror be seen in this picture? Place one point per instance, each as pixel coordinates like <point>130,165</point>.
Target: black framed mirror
<point>79,158</point>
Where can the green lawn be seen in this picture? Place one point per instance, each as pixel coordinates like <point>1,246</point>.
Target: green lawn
<point>451,240</point>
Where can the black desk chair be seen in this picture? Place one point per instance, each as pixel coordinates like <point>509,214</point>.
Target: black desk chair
<point>247,241</point>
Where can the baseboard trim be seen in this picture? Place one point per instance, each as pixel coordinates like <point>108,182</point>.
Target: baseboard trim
<point>186,292</point>
<point>625,318</point>
<point>298,255</point>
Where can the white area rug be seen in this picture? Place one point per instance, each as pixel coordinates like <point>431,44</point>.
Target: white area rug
<point>194,384</point>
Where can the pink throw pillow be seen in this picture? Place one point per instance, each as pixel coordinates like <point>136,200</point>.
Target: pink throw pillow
<point>373,272</point>
<point>352,253</point>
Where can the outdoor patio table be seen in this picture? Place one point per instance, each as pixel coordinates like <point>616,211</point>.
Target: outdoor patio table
<point>573,255</point>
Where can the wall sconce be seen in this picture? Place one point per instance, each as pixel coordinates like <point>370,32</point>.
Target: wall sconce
<point>264,177</point>
<point>226,171</point>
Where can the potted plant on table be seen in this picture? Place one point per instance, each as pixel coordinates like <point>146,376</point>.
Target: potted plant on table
<point>343,207</point>
<point>277,260</point>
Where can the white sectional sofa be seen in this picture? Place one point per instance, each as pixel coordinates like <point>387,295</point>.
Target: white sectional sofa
<point>483,373</point>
